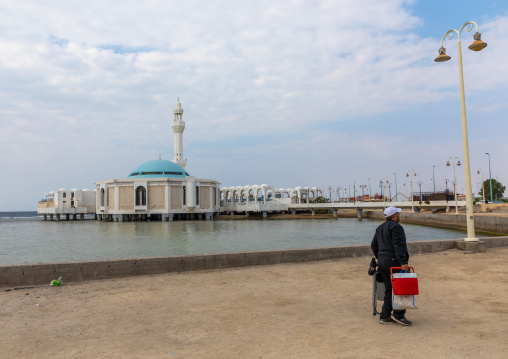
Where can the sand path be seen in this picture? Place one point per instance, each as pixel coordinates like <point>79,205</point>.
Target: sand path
<point>312,310</point>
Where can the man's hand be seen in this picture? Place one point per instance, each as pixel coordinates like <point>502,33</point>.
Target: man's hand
<point>405,267</point>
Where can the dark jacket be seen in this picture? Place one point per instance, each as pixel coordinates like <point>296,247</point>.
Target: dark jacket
<point>390,241</point>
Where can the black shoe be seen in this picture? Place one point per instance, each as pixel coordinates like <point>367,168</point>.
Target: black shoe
<point>402,321</point>
<point>386,320</point>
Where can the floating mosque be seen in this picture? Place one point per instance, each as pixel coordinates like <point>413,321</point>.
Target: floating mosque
<point>164,190</point>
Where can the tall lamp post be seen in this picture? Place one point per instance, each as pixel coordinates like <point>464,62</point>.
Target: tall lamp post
<point>490,176</point>
<point>455,181</point>
<point>411,173</point>
<point>330,189</point>
<point>434,178</point>
<point>396,193</point>
<point>477,45</point>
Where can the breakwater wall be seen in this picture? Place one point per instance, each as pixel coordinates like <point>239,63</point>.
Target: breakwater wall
<point>37,274</point>
<point>490,224</point>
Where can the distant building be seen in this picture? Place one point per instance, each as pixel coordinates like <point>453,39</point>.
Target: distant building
<point>68,203</point>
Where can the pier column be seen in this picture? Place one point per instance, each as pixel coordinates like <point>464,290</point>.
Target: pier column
<point>209,216</point>
<point>51,217</point>
<point>168,217</point>
<point>313,211</point>
<point>74,216</point>
<point>359,212</point>
<point>67,215</point>
<point>45,217</point>
<point>57,216</point>
<point>335,211</point>
<point>247,213</point>
<point>265,214</point>
<point>293,212</point>
<point>81,216</point>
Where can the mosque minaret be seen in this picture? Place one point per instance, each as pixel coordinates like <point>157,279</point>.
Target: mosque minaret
<point>178,128</point>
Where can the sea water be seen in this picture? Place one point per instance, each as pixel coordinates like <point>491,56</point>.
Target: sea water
<point>27,239</point>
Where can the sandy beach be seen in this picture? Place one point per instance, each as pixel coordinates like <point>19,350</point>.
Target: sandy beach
<point>311,310</point>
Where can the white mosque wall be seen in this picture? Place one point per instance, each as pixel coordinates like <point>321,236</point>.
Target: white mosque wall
<point>158,195</point>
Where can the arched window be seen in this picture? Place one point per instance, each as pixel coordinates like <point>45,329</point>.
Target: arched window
<point>64,195</point>
<point>140,196</point>
<point>102,197</point>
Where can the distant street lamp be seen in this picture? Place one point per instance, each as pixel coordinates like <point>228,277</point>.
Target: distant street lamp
<point>490,175</point>
<point>454,180</point>
<point>477,45</point>
<point>370,195</point>
<point>434,178</point>
<point>446,180</point>
<point>363,186</point>
<point>330,189</point>
<point>420,184</point>
<point>354,192</point>
<point>411,173</point>
<point>483,187</point>
<point>384,185</point>
<point>396,192</point>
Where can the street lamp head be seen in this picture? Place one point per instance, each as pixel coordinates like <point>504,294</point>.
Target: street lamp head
<point>443,56</point>
<point>478,44</point>
<point>458,163</point>
<point>478,172</point>
<point>448,163</point>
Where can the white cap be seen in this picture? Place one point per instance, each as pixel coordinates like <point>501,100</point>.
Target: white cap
<point>390,211</point>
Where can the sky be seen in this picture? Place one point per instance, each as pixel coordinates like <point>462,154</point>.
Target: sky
<point>286,93</point>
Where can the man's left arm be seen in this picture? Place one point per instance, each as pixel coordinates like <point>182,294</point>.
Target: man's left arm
<point>399,244</point>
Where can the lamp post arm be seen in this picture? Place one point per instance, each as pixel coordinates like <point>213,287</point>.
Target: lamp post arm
<point>468,26</point>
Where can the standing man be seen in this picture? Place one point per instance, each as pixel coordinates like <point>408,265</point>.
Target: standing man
<point>389,247</point>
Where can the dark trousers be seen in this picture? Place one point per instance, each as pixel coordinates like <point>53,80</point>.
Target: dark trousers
<point>384,265</point>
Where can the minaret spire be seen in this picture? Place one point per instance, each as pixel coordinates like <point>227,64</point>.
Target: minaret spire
<point>178,128</point>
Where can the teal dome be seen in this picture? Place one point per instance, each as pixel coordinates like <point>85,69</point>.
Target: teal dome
<point>159,168</point>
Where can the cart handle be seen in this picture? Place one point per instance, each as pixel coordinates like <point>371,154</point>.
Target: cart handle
<point>410,268</point>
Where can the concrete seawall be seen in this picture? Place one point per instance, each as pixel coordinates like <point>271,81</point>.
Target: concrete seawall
<point>36,274</point>
<point>489,224</point>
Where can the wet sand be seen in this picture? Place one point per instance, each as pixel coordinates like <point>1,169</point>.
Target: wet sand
<point>311,310</point>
